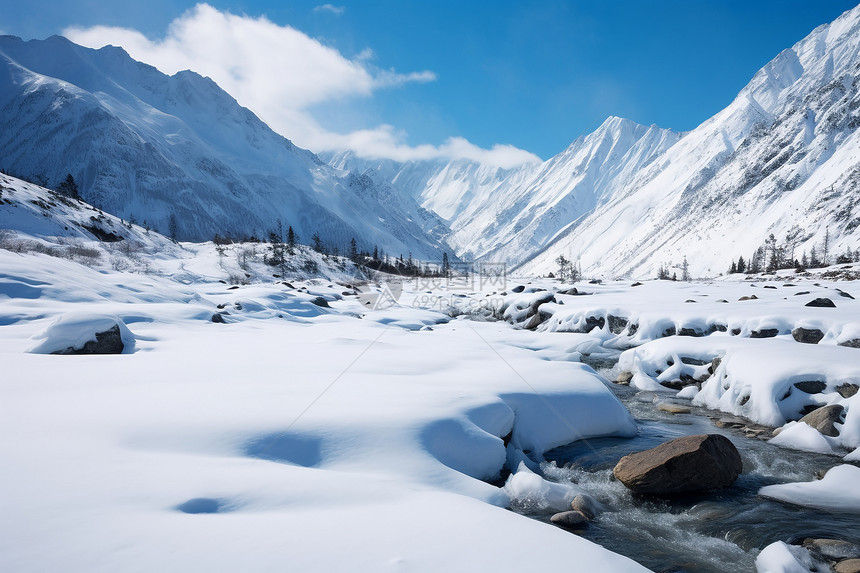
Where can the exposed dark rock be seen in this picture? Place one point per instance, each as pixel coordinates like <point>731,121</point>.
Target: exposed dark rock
<point>811,386</point>
<point>671,331</point>
<point>634,328</point>
<point>684,465</point>
<point>717,327</point>
<point>847,390</point>
<point>845,294</point>
<point>106,342</point>
<point>221,306</point>
<point>320,301</point>
<point>821,303</point>
<point>518,289</point>
<point>685,331</point>
<point>807,335</point>
<point>218,317</point>
<point>722,300</point>
<point>592,322</point>
<point>637,283</point>
<point>736,331</point>
<point>801,293</point>
<point>788,285</point>
<point>288,285</point>
<point>764,333</point>
<point>769,286</point>
<point>715,363</point>
<point>234,287</point>
<point>693,361</point>
<point>674,384</point>
<point>689,300</point>
<point>751,297</point>
<point>571,291</point>
<point>617,324</point>
<point>822,419</point>
<point>809,408</point>
<point>238,306</point>
<point>853,343</point>
<point>572,519</point>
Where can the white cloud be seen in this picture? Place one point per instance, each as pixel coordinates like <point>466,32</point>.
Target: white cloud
<point>280,73</point>
<point>336,10</point>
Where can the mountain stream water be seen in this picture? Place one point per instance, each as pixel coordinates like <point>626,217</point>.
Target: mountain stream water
<point>714,532</point>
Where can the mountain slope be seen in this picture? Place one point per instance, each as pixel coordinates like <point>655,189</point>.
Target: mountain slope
<point>147,145</point>
<point>502,215</point>
<point>782,158</point>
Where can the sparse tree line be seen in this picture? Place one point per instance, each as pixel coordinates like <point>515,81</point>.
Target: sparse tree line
<point>773,256</point>
<point>281,246</point>
<point>568,271</point>
<point>663,272</point>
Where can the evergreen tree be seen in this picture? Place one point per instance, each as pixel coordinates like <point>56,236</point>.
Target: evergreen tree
<point>446,266</point>
<point>69,187</point>
<point>172,226</point>
<point>685,270</point>
<point>291,236</point>
<point>375,253</point>
<point>353,249</point>
<point>733,269</point>
<point>742,265</point>
<point>317,242</point>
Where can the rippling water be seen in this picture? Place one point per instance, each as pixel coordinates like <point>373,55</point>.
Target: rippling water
<point>716,532</point>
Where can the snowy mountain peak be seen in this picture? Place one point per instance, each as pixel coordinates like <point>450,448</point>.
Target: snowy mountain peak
<point>146,145</point>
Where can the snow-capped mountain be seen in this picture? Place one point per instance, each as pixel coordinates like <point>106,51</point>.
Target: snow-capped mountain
<point>149,146</point>
<point>782,159</point>
<point>502,215</point>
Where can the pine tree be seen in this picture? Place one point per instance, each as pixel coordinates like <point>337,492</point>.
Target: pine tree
<point>445,264</point>
<point>742,265</point>
<point>353,249</point>
<point>317,242</point>
<point>291,236</point>
<point>172,226</point>
<point>69,187</point>
<point>733,269</point>
<point>685,270</point>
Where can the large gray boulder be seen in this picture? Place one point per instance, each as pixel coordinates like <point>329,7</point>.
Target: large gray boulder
<point>684,465</point>
<point>807,335</point>
<point>822,419</point>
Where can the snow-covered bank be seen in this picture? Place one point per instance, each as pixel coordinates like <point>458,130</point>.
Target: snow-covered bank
<point>294,434</point>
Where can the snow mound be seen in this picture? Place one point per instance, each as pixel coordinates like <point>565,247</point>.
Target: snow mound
<point>529,490</point>
<point>837,491</point>
<point>75,330</point>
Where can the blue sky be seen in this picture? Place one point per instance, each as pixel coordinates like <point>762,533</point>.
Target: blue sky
<point>414,78</point>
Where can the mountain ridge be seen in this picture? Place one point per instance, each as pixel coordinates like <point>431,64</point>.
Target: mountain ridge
<point>148,145</point>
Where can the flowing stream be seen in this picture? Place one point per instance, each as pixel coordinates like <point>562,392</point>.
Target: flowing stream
<point>714,532</point>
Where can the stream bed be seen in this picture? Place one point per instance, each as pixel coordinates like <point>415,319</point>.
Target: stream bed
<point>714,532</point>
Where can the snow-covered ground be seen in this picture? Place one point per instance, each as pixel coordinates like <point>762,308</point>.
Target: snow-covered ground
<point>310,429</point>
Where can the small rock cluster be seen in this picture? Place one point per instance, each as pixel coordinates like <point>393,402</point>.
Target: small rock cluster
<point>582,510</point>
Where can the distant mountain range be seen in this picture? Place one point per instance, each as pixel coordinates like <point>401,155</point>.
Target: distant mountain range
<point>783,158</point>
